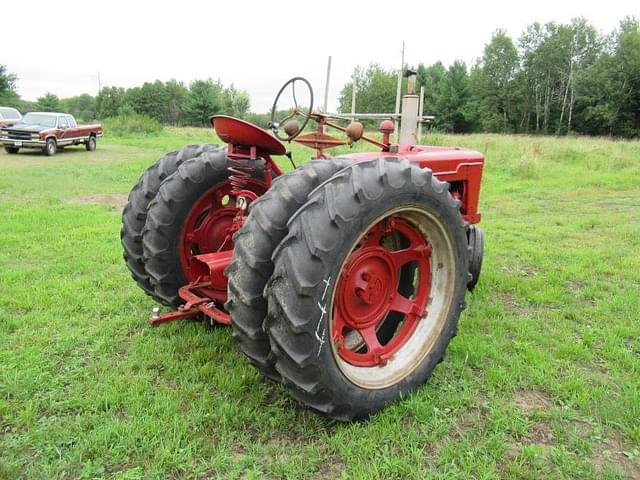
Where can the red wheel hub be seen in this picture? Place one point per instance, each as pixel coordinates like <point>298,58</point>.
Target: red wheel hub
<point>209,227</point>
<point>368,292</point>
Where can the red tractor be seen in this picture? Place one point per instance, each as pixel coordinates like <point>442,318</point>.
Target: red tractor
<point>343,279</point>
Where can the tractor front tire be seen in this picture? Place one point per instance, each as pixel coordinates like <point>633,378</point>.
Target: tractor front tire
<point>191,202</point>
<point>255,242</point>
<point>335,284</point>
<point>475,236</point>
<point>134,214</point>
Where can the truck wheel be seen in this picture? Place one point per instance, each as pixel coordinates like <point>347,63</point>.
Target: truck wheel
<point>255,242</point>
<point>475,236</point>
<point>11,150</point>
<point>193,213</point>
<point>134,214</point>
<point>51,147</point>
<point>91,144</point>
<point>335,284</point>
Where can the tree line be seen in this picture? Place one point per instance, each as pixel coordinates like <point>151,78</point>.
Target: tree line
<point>170,103</point>
<point>555,79</point>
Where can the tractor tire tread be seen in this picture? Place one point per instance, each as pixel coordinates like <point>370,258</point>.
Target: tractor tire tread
<point>252,266</point>
<point>135,211</point>
<point>299,262</point>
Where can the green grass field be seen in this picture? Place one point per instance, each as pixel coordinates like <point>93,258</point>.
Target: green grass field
<point>542,381</point>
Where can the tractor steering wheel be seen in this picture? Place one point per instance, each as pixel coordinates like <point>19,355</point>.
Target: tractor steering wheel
<point>275,125</point>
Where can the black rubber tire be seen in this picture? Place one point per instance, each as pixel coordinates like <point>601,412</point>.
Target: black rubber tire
<point>255,242</point>
<point>167,213</point>
<point>51,147</point>
<point>11,150</point>
<point>134,214</point>
<point>321,235</point>
<point>91,144</point>
<point>475,236</point>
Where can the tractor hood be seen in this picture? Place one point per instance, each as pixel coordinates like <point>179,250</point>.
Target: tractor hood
<point>439,159</point>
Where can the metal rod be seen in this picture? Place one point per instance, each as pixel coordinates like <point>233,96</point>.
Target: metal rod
<point>398,95</point>
<point>326,85</point>
<point>347,116</point>
<point>353,93</point>
<point>420,112</point>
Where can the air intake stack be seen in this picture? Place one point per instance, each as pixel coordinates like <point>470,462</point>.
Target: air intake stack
<point>409,118</point>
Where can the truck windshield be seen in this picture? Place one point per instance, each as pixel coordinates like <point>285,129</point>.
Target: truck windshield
<point>38,119</point>
<point>9,113</point>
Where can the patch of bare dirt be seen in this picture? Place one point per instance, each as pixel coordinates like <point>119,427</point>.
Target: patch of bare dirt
<point>117,201</point>
<point>539,434</point>
<point>532,400</point>
<point>613,452</point>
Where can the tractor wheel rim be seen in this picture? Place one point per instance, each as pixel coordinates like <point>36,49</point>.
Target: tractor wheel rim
<point>366,296</point>
<point>209,227</point>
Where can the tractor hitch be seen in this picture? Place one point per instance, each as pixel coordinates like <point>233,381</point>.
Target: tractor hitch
<point>197,301</point>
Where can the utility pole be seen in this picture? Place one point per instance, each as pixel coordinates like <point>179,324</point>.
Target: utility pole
<point>326,86</point>
<point>398,95</point>
<point>99,83</point>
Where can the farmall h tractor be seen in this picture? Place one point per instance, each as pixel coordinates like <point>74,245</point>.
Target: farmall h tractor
<point>343,279</point>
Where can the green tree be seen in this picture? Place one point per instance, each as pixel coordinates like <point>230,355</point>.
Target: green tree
<point>151,99</point>
<point>452,101</point>
<point>176,92</point>
<point>83,107</point>
<point>494,83</point>
<point>109,101</point>
<point>609,90</point>
<point>49,103</point>
<point>430,78</point>
<point>236,102</point>
<point>7,86</point>
<point>375,90</point>
<point>203,100</point>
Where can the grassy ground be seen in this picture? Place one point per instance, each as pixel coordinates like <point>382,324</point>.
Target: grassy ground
<point>543,380</point>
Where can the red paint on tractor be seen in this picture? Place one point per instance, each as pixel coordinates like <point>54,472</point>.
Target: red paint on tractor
<point>207,236</point>
<point>367,293</point>
<point>449,164</point>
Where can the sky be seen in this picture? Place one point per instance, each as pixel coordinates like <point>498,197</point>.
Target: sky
<point>63,47</point>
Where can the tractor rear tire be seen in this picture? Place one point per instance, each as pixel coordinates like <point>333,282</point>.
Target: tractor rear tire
<point>337,240</point>
<point>163,235</point>
<point>134,214</point>
<point>255,242</point>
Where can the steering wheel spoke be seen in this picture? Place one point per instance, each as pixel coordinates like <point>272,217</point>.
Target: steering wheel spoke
<point>275,124</point>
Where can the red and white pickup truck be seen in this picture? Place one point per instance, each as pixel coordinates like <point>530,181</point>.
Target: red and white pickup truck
<point>47,132</point>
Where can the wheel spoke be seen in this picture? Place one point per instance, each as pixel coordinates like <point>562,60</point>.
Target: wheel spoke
<point>370,337</point>
<point>406,255</point>
<point>402,304</point>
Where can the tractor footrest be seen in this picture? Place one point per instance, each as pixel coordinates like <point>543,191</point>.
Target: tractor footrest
<point>195,301</point>
<point>195,305</point>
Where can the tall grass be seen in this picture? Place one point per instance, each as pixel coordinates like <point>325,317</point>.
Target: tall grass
<point>132,124</point>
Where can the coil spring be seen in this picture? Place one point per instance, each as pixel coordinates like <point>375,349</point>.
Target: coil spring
<point>241,173</point>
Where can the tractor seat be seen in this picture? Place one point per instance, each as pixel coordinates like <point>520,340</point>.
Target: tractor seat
<point>244,134</point>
